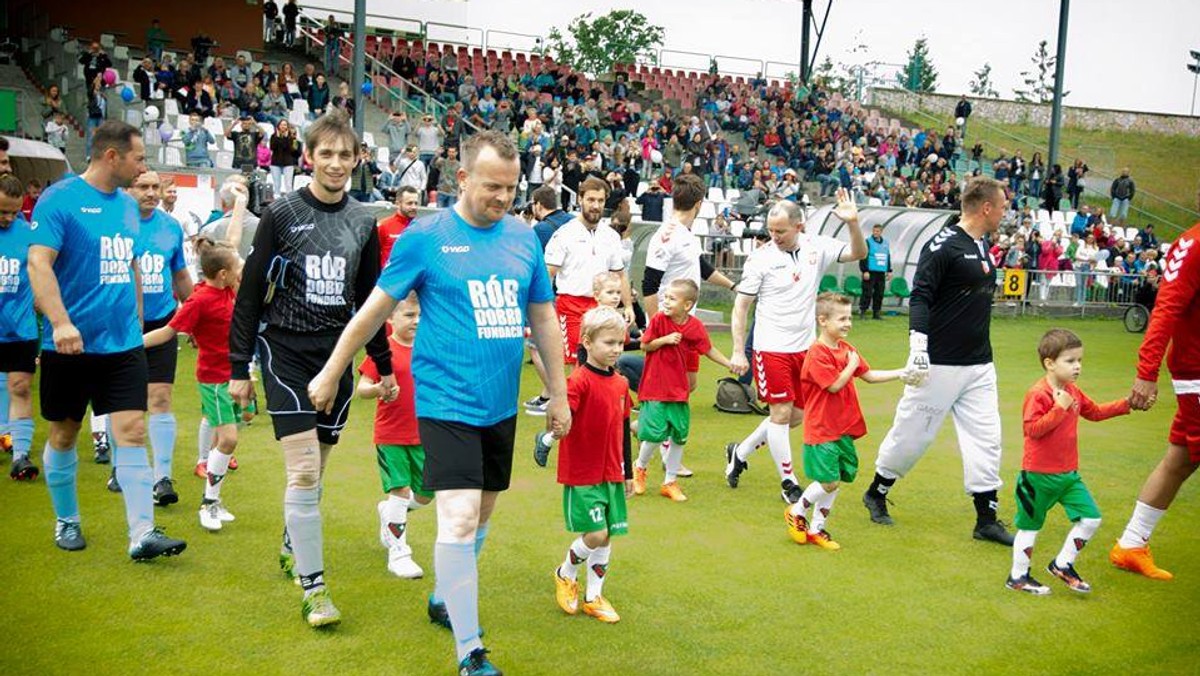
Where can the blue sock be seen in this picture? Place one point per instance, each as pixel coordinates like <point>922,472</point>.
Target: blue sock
<point>137,486</point>
<point>59,466</point>
<point>3,403</point>
<point>480,535</point>
<point>454,565</point>
<point>22,436</point>
<point>162,440</point>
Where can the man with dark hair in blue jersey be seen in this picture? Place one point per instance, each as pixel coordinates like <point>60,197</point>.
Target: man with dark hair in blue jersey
<point>480,278</point>
<point>18,327</point>
<point>85,278</point>
<point>165,283</point>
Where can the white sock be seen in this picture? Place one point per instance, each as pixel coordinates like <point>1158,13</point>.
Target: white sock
<point>1141,526</point>
<point>414,505</point>
<point>673,460</point>
<point>395,512</point>
<point>757,438</point>
<point>1022,553</point>
<point>821,510</point>
<point>548,439</point>
<point>218,466</point>
<point>99,426</point>
<point>780,443</point>
<point>303,517</point>
<point>1076,540</point>
<point>665,450</point>
<point>597,565</point>
<point>811,495</point>
<point>645,453</point>
<point>577,553</point>
<point>205,436</point>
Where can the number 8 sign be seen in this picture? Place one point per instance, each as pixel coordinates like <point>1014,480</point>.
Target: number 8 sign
<point>1014,282</point>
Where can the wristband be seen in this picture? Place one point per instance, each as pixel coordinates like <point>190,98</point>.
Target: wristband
<point>918,342</point>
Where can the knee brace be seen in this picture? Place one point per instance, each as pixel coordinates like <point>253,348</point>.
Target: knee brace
<point>302,460</point>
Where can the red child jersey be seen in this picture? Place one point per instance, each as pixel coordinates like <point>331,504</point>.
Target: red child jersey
<point>389,229</point>
<point>828,416</point>
<point>1176,317</point>
<point>396,422</point>
<point>593,451</point>
<point>205,316</point>
<point>1052,434</point>
<point>664,376</point>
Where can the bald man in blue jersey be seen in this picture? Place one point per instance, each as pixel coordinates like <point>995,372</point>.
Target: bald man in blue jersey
<point>480,278</point>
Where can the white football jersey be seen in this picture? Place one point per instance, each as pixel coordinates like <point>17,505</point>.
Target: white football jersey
<point>675,251</point>
<point>580,254</point>
<point>786,284</point>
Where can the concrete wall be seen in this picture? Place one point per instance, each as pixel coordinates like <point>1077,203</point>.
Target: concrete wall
<point>1034,114</point>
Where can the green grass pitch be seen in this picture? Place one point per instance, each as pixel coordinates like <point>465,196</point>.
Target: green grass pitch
<point>711,586</point>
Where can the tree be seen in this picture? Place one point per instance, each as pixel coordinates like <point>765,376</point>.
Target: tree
<point>982,84</point>
<point>595,45</point>
<point>834,78</point>
<point>919,75</point>
<point>1039,81</point>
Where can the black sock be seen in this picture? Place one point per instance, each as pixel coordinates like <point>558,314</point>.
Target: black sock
<point>985,507</point>
<point>880,486</point>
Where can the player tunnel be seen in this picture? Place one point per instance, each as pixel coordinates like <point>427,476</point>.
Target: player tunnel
<point>906,231</point>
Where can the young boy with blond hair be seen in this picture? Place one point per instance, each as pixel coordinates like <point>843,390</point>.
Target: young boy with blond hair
<point>833,418</point>
<point>594,463</point>
<point>398,447</point>
<point>670,336</point>
<point>1050,467</point>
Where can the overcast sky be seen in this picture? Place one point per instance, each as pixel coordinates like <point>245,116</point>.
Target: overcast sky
<point>1120,54</point>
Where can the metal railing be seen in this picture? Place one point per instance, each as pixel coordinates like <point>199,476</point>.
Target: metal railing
<point>1085,292</point>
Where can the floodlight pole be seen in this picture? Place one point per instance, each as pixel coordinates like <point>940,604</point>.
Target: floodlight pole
<point>1059,61</point>
<point>805,22</point>
<point>1195,68</point>
<point>356,71</point>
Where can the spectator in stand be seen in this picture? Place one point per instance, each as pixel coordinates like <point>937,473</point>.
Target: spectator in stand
<point>289,83</point>
<point>196,140</point>
<point>306,80</point>
<point>404,65</point>
<point>396,129</point>
<point>164,79</point>
<point>1052,188</point>
<point>33,190</point>
<point>249,101</point>
<point>318,97</point>
<point>227,198</point>
<point>651,203</point>
<point>290,11</point>
<point>265,77</point>
<point>344,101</point>
<point>52,103</point>
<point>144,77</point>
<point>429,139</point>
<point>285,153</point>
<point>408,171</point>
<point>245,137</point>
<point>1036,173</point>
<point>202,44</point>
<point>1149,239</point>
<point>97,112</point>
<point>362,177</point>
<point>1076,182</point>
<point>616,193</point>
<point>57,130</point>
<point>94,61</point>
<point>1085,261</point>
<point>1018,169</point>
<point>262,154</point>
<point>200,99</point>
<point>275,106</point>
<point>1048,264</point>
<point>270,14</point>
<point>333,47</point>
<point>447,187</point>
<point>963,109</point>
<point>1122,192</point>
<point>156,39</point>
<point>240,72</point>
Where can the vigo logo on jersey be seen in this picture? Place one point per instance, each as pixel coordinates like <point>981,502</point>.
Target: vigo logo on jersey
<point>1175,263</point>
<point>151,267</point>
<point>10,275</point>
<point>325,282</point>
<point>497,308</point>
<point>116,253</point>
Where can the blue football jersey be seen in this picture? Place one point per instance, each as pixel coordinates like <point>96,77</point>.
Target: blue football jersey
<point>163,257</point>
<point>474,285</point>
<point>17,320</point>
<point>96,237</point>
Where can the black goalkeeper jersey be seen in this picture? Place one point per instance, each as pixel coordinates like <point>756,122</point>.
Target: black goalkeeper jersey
<point>311,266</point>
<point>952,298</point>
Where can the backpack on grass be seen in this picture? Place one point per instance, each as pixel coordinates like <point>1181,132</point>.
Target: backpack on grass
<point>734,396</point>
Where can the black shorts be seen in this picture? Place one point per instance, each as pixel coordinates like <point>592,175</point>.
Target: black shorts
<point>19,356</point>
<point>458,455</point>
<point>289,361</point>
<point>161,359</point>
<point>109,382</point>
